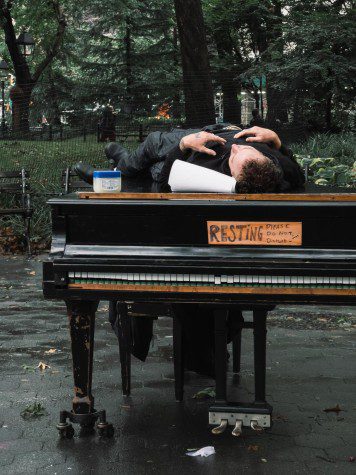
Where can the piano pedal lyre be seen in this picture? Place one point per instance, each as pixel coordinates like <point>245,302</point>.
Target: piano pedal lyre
<point>221,428</point>
<point>239,415</point>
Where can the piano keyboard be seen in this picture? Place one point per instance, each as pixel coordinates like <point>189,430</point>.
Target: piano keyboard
<point>211,280</point>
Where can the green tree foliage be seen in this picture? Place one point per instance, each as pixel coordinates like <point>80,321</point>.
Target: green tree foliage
<point>127,52</point>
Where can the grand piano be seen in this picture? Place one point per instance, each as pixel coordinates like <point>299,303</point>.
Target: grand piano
<point>223,251</point>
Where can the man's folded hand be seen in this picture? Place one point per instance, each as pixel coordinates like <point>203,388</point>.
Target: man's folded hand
<point>260,134</point>
<point>197,142</point>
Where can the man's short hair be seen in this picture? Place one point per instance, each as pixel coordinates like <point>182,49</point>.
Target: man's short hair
<point>259,176</point>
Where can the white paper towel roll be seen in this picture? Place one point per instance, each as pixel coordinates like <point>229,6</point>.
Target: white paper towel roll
<point>187,177</point>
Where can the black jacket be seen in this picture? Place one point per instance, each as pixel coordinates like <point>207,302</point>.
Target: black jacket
<point>293,177</point>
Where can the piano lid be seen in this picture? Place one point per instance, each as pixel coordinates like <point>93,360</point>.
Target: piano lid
<point>142,188</point>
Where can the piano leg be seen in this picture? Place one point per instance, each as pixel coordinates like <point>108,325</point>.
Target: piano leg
<point>124,335</point>
<point>220,316</point>
<point>81,316</point>
<point>259,339</point>
<point>178,358</point>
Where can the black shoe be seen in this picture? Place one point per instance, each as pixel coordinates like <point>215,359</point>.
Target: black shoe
<point>84,171</point>
<point>115,153</point>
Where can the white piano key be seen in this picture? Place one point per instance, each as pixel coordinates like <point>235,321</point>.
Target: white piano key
<point>223,279</point>
<point>268,279</point>
<point>313,280</point>
<point>346,280</point>
<point>274,279</point>
<point>249,279</point>
<point>205,278</point>
<point>280,279</point>
<point>243,279</point>
<point>230,279</point>
<point>236,279</point>
<point>173,277</point>
<point>262,279</point>
<point>300,279</point>
<point>192,278</point>
<point>167,277</point>
<point>255,279</point>
<point>217,280</point>
<point>160,277</point>
<point>352,280</point>
<point>294,279</point>
<point>307,280</point>
<point>185,277</point>
<point>339,280</point>
<point>212,279</point>
<point>71,275</point>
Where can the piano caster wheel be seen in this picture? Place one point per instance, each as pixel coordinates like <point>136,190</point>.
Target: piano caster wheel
<point>237,430</point>
<point>105,429</point>
<point>65,430</point>
<point>256,427</point>
<point>220,429</point>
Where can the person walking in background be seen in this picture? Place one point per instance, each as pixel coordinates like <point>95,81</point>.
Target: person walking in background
<point>107,125</point>
<point>256,119</point>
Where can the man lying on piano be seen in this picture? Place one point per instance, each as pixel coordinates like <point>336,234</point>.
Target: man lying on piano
<point>256,160</point>
<point>254,157</point>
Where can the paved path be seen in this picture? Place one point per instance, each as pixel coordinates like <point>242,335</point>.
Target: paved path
<point>311,367</point>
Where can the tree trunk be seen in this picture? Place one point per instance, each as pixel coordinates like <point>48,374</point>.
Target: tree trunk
<point>232,105</point>
<point>176,99</point>
<point>128,45</point>
<point>198,89</point>
<point>231,87</point>
<point>20,96</point>
<point>277,111</point>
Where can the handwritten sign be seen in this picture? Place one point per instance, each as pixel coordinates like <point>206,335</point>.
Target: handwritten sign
<point>245,233</point>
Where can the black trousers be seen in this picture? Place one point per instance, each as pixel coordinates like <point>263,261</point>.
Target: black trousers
<point>198,334</point>
<point>150,154</point>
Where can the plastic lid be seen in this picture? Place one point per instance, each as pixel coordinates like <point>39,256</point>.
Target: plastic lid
<point>107,174</point>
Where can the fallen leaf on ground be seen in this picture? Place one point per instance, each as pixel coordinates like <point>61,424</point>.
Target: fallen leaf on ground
<point>264,460</point>
<point>42,366</point>
<point>336,409</point>
<point>32,272</point>
<point>253,448</point>
<point>51,351</point>
<point>205,393</point>
<point>33,411</point>
<point>279,418</point>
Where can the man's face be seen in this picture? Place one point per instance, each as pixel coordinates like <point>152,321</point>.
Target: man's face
<point>240,155</point>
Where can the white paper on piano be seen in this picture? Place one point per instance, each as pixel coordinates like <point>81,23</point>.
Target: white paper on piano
<point>187,177</point>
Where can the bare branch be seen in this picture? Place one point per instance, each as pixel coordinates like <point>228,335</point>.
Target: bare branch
<point>53,51</point>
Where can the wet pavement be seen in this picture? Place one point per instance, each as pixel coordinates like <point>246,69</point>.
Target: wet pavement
<point>311,367</point>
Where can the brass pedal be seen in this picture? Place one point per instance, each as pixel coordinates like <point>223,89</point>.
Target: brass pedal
<point>221,428</point>
<point>255,426</point>
<point>237,430</point>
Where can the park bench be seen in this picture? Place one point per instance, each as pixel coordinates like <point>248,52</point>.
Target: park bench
<point>15,200</point>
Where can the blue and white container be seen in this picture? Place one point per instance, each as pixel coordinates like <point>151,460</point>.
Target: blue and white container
<point>107,181</point>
